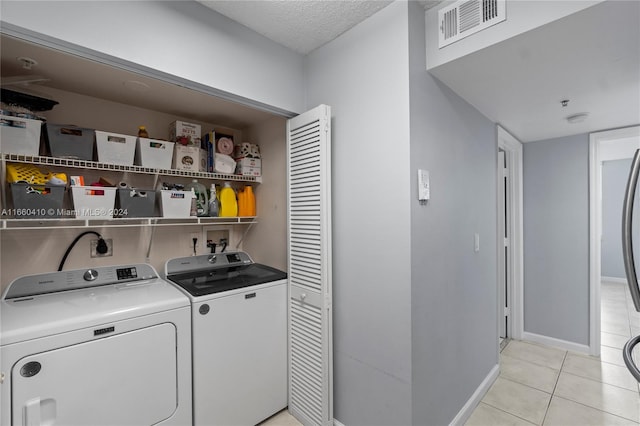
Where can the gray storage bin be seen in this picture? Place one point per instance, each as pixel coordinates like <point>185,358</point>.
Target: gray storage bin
<point>135,203</point>
<point>37,201</point>
<point>70,141</point>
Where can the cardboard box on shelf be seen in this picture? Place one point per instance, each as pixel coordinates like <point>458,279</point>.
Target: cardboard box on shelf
<point>249,167</point>
<point>191,158</point>
<point>190,131</point>
<point>250,162</point>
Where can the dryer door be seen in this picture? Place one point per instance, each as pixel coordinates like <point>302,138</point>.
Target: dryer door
<point>124,379</point>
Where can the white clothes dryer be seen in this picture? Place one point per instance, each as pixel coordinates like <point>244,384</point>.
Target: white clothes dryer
<point>104,346</point>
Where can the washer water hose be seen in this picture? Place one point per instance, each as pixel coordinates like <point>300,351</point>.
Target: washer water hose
<point>101,248</point>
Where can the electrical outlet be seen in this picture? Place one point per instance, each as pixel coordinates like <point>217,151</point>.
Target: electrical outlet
<point>94,245</point>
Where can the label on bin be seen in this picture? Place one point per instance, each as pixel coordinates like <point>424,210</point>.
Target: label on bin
<point>72,132</point>
<point>177,195</point>
<point>116,139</point>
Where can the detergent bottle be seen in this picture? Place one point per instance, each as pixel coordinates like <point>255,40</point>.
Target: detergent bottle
<point>246,202</point>
<point>228,202</point>
<point>214,206</point>
<point>242,203</point>
<point>202,200</point>
<point>250,201</point>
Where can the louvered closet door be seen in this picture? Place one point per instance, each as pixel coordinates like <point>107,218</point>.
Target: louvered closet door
<point>309,216</point>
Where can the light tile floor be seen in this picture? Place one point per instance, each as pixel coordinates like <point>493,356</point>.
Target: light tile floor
<point>283,418</point>
<point>548,386</point>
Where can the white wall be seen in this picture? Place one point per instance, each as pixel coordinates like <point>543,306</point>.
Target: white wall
<point>267,241</point>
<point>180,38</point>
<point>556,238</point>
<point>522,16</point>
<point>614,180</point>
<point>363,75</point>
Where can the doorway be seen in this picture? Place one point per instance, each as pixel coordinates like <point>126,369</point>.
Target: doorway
<point>504,261</point>
<point>604,147</point>
<point>509,237</point>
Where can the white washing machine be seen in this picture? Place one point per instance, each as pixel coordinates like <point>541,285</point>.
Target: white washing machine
<point>239,324</point>
<point>106,346</point>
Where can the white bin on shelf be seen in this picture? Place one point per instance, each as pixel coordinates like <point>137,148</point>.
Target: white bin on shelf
<point>19,135</point>
<point>175,203</point>
<point>114,148</point>
<point>93,202</point>
<point>154,153</point>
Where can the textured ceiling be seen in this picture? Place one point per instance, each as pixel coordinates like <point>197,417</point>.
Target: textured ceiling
<point>300,25</point>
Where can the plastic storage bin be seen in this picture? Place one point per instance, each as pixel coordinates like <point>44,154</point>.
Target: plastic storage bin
<point>37,201</point>
<point>114,148</point>
<point>175,203</point>
<point>153,153</point>
<point>19,135</point>
<point>93,202</point>
<point>135,203</point>
<point>70,141</point>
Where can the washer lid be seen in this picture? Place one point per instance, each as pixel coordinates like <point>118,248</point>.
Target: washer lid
<point>218,280</point>
<point>48,313</point>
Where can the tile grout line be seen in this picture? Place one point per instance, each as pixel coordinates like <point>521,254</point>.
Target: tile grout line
<point>553,392</point>
<point>597,381</point>
<point>521,384</point>
<point>597,409</point>
<point>506,412</point>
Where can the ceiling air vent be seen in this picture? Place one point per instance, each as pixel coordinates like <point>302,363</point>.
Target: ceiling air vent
<point>467,17</point>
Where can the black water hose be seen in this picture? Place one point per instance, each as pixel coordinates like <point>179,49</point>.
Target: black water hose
<point>102,247</point>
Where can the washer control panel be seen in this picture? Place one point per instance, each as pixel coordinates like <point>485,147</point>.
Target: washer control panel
<point>206,261</point>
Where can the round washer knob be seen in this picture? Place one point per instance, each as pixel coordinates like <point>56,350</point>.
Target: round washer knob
<point>90,275</point>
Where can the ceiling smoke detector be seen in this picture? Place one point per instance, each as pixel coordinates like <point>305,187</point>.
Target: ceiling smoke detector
<point>577,118</point>
<point>27,63</point>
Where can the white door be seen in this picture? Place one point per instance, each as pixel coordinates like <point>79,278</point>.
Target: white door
<point>309,266</point>
<point>126,379</point>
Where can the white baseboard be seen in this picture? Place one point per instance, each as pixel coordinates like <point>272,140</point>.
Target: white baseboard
<point>337,423</point>
<point>557,343</point>
<point>614,280</point>
<point>466,411</point>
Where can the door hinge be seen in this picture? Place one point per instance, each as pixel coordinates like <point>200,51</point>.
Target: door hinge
<point>507,311</point>
<point>506,242</point>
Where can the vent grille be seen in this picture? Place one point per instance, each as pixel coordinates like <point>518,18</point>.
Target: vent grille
<point>489,10</point>
<point>467,17</point>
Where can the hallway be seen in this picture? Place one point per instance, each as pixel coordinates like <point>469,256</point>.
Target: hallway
<point>548,386</point>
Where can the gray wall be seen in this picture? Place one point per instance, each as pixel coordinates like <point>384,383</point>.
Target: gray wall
<point>556,238</point>
<point>614,182</point>
<point>453,289</point>
<point>181,38</point>
<point>364,76</point>
<point>414,307</point>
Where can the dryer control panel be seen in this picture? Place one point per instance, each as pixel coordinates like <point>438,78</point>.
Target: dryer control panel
<point>54,282</point>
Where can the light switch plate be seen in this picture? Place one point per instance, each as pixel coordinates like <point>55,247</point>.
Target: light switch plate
<point>424,190</point>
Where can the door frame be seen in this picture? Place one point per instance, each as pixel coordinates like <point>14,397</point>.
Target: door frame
<point>513,149</point>
<point>600,149</point>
